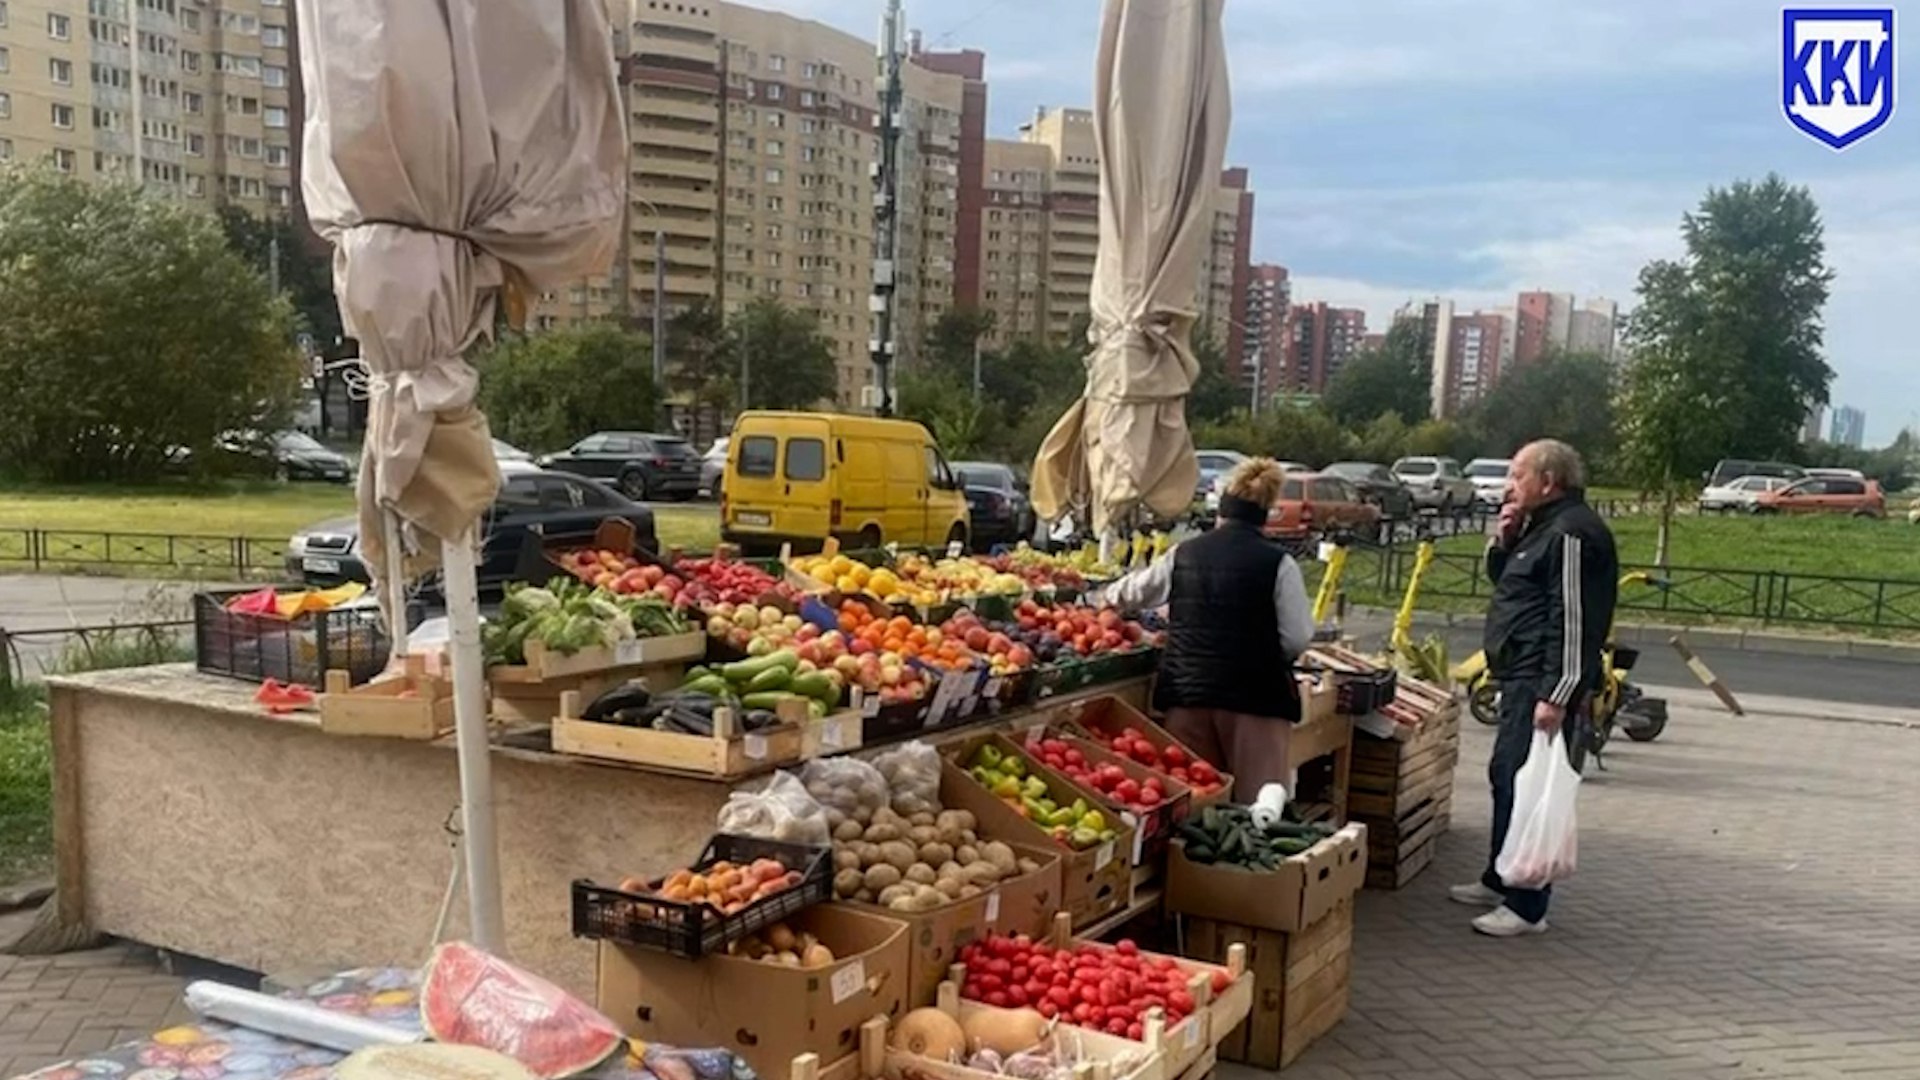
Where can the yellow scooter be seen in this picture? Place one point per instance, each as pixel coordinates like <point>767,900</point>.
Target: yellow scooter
<point>1617,700</point>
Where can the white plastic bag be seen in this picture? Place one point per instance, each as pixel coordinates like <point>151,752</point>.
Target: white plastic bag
<point>912,772</point>
<point>1541,839</point>
<point>783,810</point>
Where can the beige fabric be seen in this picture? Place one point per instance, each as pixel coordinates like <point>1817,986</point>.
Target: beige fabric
<point>1161,113</point>
<point>451,146</point>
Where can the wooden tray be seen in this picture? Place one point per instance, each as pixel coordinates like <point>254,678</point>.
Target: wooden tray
<point>728,754</point>
<point>543,664</point>
<point>416,707</point>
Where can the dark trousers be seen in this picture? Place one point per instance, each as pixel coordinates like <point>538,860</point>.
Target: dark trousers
<point>1510,748</point>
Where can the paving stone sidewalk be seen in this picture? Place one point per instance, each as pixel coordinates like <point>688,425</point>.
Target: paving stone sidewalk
<point>1745,908</point>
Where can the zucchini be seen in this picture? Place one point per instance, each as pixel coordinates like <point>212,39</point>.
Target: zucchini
<point>744,671</point>
<point>773,678</point>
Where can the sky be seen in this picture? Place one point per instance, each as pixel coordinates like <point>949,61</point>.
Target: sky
<point>1474,148</point>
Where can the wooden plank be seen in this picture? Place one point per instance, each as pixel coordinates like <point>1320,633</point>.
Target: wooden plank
<point>1325,1019</point>
<point>1390,875</point>
<point>1326,981</point>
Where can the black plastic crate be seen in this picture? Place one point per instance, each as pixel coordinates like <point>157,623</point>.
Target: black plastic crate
<point>1359,693</point>
<point>300,650</point>
<point>694,930</point>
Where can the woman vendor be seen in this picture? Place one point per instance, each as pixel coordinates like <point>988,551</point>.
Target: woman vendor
<point>1238,615</point>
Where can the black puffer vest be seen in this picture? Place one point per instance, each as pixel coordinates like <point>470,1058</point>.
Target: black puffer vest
<point>1223,645</point>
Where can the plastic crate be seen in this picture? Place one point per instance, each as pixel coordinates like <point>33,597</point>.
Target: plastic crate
<point>300,650</point>
<point>1359,693</point>
<point>693,930</point>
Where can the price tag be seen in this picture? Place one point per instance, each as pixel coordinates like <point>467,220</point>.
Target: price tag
<point>1139,846</point>
<point>1193,1033</point>
<point>849,981</point>
<point>830,734</point>
<point>756,747</point>
<point>993,906</point>
<point>954,549</point>
<point>1103,856</point>
<point>994,686</point>
<point>870,705</point>
<point>627,653</point>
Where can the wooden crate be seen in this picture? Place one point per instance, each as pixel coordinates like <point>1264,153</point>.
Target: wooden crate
<point>1300,984</point>
<point>416,707</point>
<point>1403,792</point>
<point>728,754</point>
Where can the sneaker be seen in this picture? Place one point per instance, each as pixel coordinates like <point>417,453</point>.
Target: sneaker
<point>1476,894</point>
<point>1504,922</point>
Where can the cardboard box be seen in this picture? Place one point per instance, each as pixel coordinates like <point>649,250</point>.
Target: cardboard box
<point>766,1013</point>
<point>1093,883</point>
<point>1021,905</point>
<point>1297,895</point>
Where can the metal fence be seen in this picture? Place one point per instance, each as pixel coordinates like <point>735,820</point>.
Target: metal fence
<point>55,549</point>
<point>26,653</point>
<point>1691,594</point>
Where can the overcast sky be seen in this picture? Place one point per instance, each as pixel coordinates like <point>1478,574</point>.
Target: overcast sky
<point>1473,148</point>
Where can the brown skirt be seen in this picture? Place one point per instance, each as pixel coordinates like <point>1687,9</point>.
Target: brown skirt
<point>1252,748</point>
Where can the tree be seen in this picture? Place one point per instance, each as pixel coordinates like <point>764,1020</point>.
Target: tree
<point>544,391</point>
<point>1393,378</point>
<point>1215,394</point>
<point>790,360</point>
<point>1726,341</point>
<point>1565,396</point>
<point>953,339</point>
<point>129,330</point>
<point>950,411</point>
<point>1383,439</point>
<point>702,364</point>
<point>306,275</point>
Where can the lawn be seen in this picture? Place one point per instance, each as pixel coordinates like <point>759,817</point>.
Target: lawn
<point>272,511</point>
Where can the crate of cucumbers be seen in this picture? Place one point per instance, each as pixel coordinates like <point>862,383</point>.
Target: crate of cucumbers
<point>1225,865</point>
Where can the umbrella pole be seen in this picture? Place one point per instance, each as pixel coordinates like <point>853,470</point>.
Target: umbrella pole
<point>487,924</point>
<point>396,583</point>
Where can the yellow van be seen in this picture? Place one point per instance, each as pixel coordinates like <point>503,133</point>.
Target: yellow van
<point>802,477</point>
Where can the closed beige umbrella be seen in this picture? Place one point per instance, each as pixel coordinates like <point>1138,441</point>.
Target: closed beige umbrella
<point>1161,113</point>
<point>458,153</point>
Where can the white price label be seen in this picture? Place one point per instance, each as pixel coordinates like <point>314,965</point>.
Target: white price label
<point>993,906</point>
<point>955,548</point>
<point>756,747</point>
<point>994,686</point>
<point>870,706</point>
<point>849,981</point>
<point>1102,857</point>
<point>1139,845</point>
<point>830,735</point>
<point>627,652</point>
<point>1193,1033</point>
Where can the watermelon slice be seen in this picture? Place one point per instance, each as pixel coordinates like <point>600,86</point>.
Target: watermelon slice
<point>469,997</point>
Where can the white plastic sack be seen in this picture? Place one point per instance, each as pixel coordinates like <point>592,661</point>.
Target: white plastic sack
<point>783,810</point>
<point>1541,838</point>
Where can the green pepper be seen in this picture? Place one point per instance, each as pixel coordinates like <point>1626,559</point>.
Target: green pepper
<point>988,756</point>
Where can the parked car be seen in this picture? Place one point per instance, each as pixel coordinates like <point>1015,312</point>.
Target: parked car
<point>1825,495</point>
<point>1489,479</point>
<point>1727,470</point>
<point>641,464</point>
<point>1376,485</point>
<point>1319,503</point>
<point>511,459</point>
<point>1220,484</point>
<point>1214,464</point>
<point>1436,483</point>
<point>1832,473</point>
<point>557,505</point>
<point>1740,494</point>
<point>998,510</point>
<point>713,464</point>
<point>802,477</point>
<point>295,455</point>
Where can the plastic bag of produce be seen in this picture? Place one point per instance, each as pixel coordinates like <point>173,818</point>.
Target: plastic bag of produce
<point>1541,838</point>
<point>780,811</point>
<point>849,789</point>
<point>912,773</point>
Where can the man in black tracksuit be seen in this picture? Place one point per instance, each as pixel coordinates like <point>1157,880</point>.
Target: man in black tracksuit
<point>1555,576</point>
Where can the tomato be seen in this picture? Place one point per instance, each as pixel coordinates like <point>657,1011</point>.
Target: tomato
<point>1017,996</point>
<point>1127,947</point>
<point>1136,1032</point>
<point>1060,996</point>
<point>1180,1001</point>
<point>1047,1009</point>
<point>1116,1026</point>
<point>997,999</point>
<point>1020,973</point>
<point>1000,967</point>
<point>1082,1013</point>
<point>1221,982</point>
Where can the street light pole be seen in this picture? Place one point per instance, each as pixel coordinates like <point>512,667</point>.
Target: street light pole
<point>660,320</point>
<point>976,371</point>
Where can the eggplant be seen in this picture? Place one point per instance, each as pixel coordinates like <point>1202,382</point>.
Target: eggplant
<point>630,695</point>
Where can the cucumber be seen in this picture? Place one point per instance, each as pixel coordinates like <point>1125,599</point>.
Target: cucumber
<point>773,678</point>
<point>744,671</point>
<point>770,700</point>
<point>816,685</point>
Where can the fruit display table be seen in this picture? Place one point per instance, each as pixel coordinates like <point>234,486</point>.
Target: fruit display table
<point>187,818</point>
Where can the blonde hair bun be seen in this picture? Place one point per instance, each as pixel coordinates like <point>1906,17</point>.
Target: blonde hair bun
<point>1257,480</point>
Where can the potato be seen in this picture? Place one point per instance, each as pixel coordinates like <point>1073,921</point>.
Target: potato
<point>864,896</point>
<point>848,882</point>
<point>881,875</point>
<point>966,854</point>
<point>845,858</point>
<point>862,815</point>
<point>923,818</point>
<point>981,873</point>
<point>885,816</point>
<point>880,832</point>
<point>953,819</point>
<point>900,854</point>
<point>894,892</point>
<point>953,870</point>
<point>999,855</point>
<point>1029,866</point>
<point>950,887</point>
<point>968,836</point>
<point>869,853</point>
<point>969,891</point>
<point>848,830</point>
<point>903,903</point>
<point>921,874</point>
<point>935,853</point>
<point>922,834</point>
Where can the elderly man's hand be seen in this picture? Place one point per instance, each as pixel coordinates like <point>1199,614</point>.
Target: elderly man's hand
<point>1547,716</point>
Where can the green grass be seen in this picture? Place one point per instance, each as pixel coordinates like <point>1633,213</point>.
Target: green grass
<point>1825,544</point>
<point>26,753</point>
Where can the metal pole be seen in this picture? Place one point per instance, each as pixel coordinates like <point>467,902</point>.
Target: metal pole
<point>487,922</point>
<point>976,371</point>
<point>887,204</point>
<point>273,259</point>
<point>746,366</point>
<point>1254,407</point>
<point>660,319</point>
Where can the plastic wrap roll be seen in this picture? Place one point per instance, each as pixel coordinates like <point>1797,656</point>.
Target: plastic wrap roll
<point>291,1019</point>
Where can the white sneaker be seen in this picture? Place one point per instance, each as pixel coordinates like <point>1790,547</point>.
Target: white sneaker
<point>1504,922</point>
<point>1475,894</point>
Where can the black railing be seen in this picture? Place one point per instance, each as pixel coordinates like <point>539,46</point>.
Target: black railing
<point>55,549</point>
<point>89,646</point>
<point>1690,593</point>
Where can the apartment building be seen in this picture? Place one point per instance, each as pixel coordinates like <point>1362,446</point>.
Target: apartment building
<point>199,99</point>
<point>1014,227</point>
<point>1320,339</point>
<point>1070,238</point>
<point>1226,270</point>
<point>1269,302</point>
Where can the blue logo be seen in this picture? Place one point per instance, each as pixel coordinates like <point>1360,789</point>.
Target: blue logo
<point>1836,74</point>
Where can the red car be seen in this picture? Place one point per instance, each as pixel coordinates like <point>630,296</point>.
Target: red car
<point>1318,503</point>
<point>1825,495</point>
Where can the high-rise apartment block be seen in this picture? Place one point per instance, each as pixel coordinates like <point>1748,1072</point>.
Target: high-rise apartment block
<point>199,99</point>
<point>1849,427</point>
<point>1548,322</point>
<point>1269,302</point>
<point>1320,339</point>
<point>1226,271</point>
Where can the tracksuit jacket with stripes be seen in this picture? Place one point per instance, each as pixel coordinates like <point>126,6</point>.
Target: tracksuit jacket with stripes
<point>1553,596</point>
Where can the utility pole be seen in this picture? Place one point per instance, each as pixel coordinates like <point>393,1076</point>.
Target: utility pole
<point>746,365</point>
<point>976,370</point>
<point>1254,407</point>
<point>273,258</point>
<point>660,319</point>
<point>886,204</point>
<point>623,258</point>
